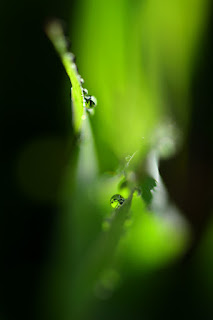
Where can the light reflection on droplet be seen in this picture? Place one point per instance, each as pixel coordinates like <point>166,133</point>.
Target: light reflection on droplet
<point>116,201</point>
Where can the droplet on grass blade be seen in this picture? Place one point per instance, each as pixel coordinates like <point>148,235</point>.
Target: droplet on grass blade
<point>90,101</point>
<point>81,80</point>
<point>85,91</point>
<point>116,201</point>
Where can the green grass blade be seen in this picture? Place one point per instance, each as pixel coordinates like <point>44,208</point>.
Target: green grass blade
<point>98,259</point>
<point>55,33</point>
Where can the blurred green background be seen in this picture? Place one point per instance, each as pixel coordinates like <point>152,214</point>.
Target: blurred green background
<point>149,63</point>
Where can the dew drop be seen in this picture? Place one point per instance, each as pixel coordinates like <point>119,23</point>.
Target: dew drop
<point>73,65</point>
<point>70,56</point>
<point>91,101</point>
<point>81,80</point>
<point>116,201</point>
<point>85,91</point>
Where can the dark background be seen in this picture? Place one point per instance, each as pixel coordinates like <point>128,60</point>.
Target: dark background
<point>33,107</point>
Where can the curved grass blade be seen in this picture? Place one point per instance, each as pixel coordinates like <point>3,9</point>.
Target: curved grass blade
<point>98,259</point>
<point>55,33</point>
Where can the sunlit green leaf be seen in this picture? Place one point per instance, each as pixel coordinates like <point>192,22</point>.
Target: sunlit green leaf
<point>55,33</point>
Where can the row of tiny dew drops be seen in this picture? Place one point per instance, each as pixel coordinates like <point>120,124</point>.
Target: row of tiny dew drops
<point>89,101</point>
<point>62,44</point>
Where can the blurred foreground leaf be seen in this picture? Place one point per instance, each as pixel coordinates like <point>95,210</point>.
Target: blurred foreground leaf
<point>98,258</point>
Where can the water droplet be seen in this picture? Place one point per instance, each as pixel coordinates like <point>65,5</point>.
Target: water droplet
<point>91,101</point>
<point>117,200</point>
<point>73,65</point>
<point>81,80</point>
<point>85,91</point>
<point>70,56</point>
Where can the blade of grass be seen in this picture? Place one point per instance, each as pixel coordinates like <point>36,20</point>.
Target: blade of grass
<point>97,260</point>
<point>55,33</point>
